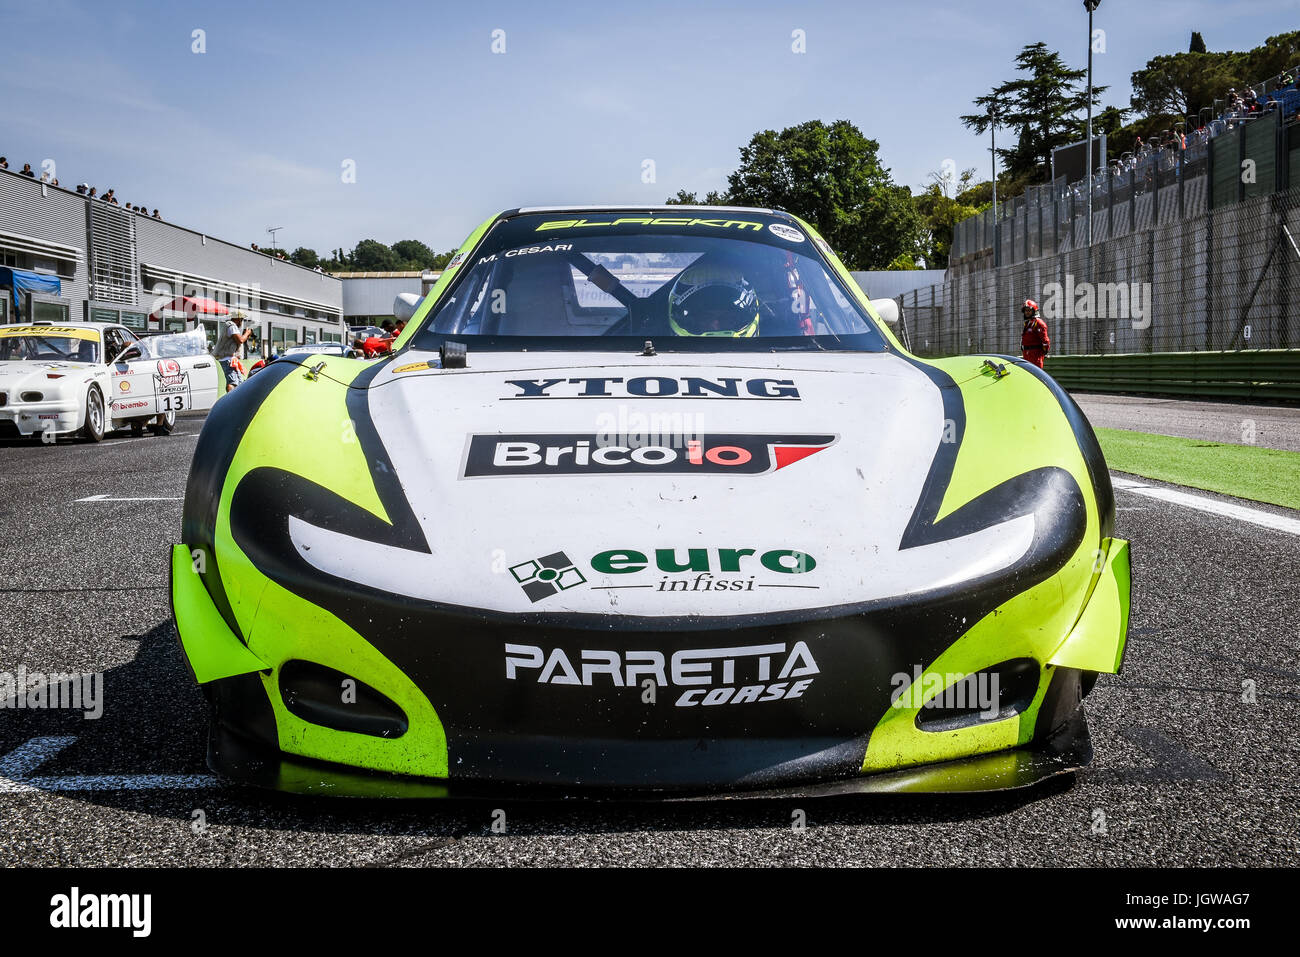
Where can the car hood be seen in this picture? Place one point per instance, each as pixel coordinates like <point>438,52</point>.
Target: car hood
<point>569,483</point>
<point>22,374</point>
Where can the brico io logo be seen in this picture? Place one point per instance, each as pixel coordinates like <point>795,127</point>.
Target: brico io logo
<point>585,454</point>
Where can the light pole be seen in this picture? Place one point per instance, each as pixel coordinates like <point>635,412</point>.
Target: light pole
<point>1091,5</point>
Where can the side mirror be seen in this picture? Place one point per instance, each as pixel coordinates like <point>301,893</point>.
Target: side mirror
<point>886,309</point>
<point>132,351</point>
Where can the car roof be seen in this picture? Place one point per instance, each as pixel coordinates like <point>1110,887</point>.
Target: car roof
<point>99,326</point>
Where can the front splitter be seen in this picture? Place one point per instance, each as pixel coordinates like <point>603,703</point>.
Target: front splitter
<point>1068,750</point>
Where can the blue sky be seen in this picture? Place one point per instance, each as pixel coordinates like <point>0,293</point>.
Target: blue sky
<point>443,132</point>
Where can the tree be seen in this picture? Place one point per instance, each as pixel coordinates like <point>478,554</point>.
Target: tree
<point>1182,84</point>
<point>1042,109</point>
<point>711,198</point>
<point>413,254</point>
<point>946,201</point>
<point>304,257</point>
<point>1272,57</point>
<point>831,176</point>
<point>370,255</point>
<point>1198,43</point>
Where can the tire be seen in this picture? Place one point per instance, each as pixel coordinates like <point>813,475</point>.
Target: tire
<point>93,430</point>
<point>165,424</point>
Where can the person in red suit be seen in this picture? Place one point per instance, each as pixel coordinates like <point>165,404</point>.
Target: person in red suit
<point>1034,341</point>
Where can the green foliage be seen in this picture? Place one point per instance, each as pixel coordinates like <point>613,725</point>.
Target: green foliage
<point>304,257</point>
<point>370,255</point>
<point>413,253</point>
<point>1042,109</point>
<point>1183,84</point>
<point>711,198</point>
<point>831,176</point>
<point>941,210</point>
<point>1198,43</point>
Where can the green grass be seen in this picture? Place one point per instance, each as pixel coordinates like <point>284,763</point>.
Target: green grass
<point>1246,471</point>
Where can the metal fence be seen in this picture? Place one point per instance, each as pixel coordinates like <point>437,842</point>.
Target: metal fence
<point>1225,278</point>
<point>1203,170</point>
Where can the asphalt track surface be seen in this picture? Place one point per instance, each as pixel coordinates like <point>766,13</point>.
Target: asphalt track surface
<point>1186,772</point>
<point>1236,423</point>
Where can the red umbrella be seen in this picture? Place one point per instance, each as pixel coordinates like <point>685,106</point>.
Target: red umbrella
<point>193,306</point>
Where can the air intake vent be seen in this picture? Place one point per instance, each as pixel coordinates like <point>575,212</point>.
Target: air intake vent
<point>334,700</point>
<point>990,695</point>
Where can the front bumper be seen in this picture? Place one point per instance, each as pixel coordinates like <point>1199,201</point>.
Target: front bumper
<point>1067,751</point>
<point>476,733</point>
<point>33,418</point>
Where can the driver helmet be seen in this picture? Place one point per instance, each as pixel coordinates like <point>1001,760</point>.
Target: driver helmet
<point>713,302</point>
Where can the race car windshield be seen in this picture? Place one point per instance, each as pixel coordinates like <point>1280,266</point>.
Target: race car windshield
<point>607,282</point>
<point>18,345</point>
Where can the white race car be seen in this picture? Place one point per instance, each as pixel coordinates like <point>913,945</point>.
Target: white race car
<point>92,377</point>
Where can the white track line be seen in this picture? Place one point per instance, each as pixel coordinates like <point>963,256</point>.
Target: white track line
<point>108,498</point>
<point>22,760</point>
<point>1241,513</point>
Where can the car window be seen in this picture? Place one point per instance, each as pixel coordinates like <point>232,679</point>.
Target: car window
<point>112,344</point>
<point>753,283</point>
<point>48,344</point>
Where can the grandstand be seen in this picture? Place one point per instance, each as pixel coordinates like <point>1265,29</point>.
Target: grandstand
<point>1194,251</point>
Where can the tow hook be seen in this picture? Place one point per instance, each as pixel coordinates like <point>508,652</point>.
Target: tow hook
<point>314,372</point>
<point>997,368</point>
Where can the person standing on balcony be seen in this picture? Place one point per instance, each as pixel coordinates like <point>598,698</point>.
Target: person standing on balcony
<point>1034,341</point>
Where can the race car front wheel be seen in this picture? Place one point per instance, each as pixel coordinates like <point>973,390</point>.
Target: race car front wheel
<point>165,424</point>
<point>93,430</point>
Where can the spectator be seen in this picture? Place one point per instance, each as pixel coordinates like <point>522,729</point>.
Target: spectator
<point>128,207</point>
<point>81,188</point>
<point>4,163</point>
<point>155,213</point>
<point>227,348</point>
<point>27,170</point>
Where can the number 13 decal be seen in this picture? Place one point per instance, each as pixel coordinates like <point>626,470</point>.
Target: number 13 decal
<point>173,403</point>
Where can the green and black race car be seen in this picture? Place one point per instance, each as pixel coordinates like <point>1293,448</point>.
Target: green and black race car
<point>648,501</point>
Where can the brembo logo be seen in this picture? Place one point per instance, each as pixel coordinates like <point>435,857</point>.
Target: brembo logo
<point>654,387</point>
<point>588,454</point>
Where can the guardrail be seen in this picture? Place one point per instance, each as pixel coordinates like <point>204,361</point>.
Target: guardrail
<point>1272,374</point>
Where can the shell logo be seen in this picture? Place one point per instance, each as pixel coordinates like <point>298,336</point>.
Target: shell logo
<point>124,386</point>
